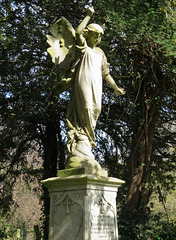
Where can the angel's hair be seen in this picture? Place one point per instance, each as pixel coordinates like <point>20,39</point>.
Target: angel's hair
<point>93,27</point>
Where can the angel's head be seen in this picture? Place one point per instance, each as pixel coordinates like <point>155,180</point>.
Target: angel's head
<point>93,34</point>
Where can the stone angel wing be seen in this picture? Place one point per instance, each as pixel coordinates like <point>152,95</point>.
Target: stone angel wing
<point>61,40</point>
<point>62,53</point>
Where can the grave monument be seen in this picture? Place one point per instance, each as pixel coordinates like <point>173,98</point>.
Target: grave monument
<point>82,197</point>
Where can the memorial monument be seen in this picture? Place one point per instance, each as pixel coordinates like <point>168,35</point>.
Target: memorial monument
<point>83,197</point>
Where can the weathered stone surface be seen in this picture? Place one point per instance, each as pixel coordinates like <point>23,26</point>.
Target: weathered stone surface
<point>80,171</point>
<point>82,206</point>
<point>83,65</point>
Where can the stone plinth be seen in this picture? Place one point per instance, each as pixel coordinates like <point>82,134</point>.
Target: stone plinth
<point>82,206</point>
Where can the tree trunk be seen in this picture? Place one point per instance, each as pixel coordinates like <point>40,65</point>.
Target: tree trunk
<point>147,111</point>
<point>37,233</point>
<point>140,157</point>
<point>23,231</point>
<point>50,168</point>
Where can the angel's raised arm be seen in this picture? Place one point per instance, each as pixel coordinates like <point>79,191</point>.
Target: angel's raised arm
<point>79,36</point>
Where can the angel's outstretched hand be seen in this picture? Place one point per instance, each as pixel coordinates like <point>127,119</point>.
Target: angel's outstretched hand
<point>90,11</point>
<point>120,91</point>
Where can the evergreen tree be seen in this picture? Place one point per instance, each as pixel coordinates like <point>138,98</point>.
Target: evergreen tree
<point>135,133</point>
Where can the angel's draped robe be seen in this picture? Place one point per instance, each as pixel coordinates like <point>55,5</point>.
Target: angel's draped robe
<point>85,102</point>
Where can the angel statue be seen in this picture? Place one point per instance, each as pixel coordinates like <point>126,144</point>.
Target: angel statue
<point>83,65</point>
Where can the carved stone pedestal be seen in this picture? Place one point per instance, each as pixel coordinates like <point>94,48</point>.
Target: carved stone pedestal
<point>82,206</point>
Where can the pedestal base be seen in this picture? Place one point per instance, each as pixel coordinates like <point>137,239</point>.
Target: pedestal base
<point>82,206</point>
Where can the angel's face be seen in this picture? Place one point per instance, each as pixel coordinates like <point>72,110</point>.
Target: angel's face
<point>93,39</point>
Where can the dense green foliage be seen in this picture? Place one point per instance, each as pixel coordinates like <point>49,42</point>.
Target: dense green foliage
<point>135,134</point>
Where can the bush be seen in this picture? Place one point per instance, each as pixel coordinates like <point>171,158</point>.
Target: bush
<point>140,226</point>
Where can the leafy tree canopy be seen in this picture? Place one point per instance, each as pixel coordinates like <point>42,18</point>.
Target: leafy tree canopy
<point>135,134</point>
